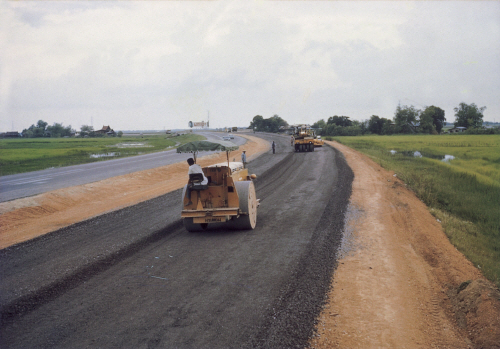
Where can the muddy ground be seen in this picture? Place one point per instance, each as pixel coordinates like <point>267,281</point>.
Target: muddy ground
<point>398,282</point>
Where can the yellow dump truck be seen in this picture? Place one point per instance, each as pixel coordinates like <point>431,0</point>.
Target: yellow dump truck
<point>304,138</point>
<point>228,197</point>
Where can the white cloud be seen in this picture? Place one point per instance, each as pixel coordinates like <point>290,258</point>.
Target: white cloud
<point>155,64</point>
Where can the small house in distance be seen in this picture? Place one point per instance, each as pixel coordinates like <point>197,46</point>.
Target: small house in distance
<point>458,129</point>
<point>106,130</point>
<point>13,134</point>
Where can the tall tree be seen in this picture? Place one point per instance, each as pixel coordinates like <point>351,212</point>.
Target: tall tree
<point>469,116</point>
<point>37,130</point>
<point>271,124</point>
<point>375,124</point>
<point>257,123</point>
<point>339,121</point>
<point>319,124</point>
<point>426,123</point>
<point>86,130</point>
<point>42,124</point>
<point>437,116</point>
<point>58,130</point>
<point>405,118</point>
<point>378,125</point>
<point>275,122</point>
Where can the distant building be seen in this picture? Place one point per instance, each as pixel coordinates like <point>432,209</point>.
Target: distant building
<point>414,126</point>
<point>458,129</point>
<point>13,134</point>
<point>106,130</point>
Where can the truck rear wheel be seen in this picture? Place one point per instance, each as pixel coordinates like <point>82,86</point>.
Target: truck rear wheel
<point>248,204</point>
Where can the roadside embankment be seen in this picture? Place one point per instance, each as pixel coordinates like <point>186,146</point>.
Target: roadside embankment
<point>26,218</point>
<point>400,283</point>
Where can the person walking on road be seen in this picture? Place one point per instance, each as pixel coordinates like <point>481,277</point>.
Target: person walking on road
<point>244,159</point>
<point>274,147</point>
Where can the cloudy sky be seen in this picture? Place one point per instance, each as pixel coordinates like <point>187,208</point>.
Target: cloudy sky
<point>159,64</point>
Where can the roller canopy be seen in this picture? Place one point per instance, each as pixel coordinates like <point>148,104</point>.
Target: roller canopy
<point>207,146</point>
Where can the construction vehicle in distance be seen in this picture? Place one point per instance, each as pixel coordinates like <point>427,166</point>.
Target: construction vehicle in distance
<point>318,142</point>
<point>304,138</point>
<point>228,200</point>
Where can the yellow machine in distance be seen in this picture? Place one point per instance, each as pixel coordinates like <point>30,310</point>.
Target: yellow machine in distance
<point>229,197</point>
<point>305,139</point>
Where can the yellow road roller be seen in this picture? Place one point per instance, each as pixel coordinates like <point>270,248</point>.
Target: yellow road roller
<point>305,139</point>
<point>224,194</point>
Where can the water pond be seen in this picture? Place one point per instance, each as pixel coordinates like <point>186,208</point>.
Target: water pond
<point>417,154</point>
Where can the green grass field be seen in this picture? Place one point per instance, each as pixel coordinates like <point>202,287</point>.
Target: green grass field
<point>25,155</point>
<point>463,193</point>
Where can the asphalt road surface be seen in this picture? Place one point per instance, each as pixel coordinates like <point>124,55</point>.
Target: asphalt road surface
<point>32,183</point>
<point>135,278</point>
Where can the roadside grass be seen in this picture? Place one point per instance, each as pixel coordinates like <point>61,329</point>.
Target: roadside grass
<point>32,154</point>
<point>463,193</point>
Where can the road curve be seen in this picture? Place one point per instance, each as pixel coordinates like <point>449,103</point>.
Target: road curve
<point>135,278</point>
<point>32,183</point>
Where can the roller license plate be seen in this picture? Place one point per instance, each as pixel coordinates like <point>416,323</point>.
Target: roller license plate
<point>209,219</point>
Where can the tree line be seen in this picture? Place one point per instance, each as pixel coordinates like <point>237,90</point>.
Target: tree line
<point>407,120</point>
<point>43,129</point>
<point>271,124</point>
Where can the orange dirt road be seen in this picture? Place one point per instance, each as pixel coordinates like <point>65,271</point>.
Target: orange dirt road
<point>395,286</point>
<point>397,282</point>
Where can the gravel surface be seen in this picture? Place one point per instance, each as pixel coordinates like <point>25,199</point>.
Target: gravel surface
<point>135,278</point>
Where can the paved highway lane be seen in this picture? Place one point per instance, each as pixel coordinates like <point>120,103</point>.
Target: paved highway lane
<point>32,183</point>
<point>135,278</point>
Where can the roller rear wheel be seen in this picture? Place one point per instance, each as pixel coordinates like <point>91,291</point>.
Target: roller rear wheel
<point>248,204</point>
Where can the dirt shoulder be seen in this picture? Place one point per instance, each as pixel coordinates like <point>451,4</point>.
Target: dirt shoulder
<point>27,218</point>
<point>400,283</point>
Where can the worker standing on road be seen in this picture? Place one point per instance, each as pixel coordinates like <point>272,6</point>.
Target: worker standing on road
<point>274,147</point>
<point>291,140</point>
<point>193,168</point>
<point>244,159</point>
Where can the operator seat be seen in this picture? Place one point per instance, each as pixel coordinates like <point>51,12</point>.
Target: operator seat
<point>196,179</point>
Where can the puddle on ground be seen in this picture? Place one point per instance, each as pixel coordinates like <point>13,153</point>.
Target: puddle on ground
<point>106,155</point>
<point>133,145</point>
<point>417,154</point>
